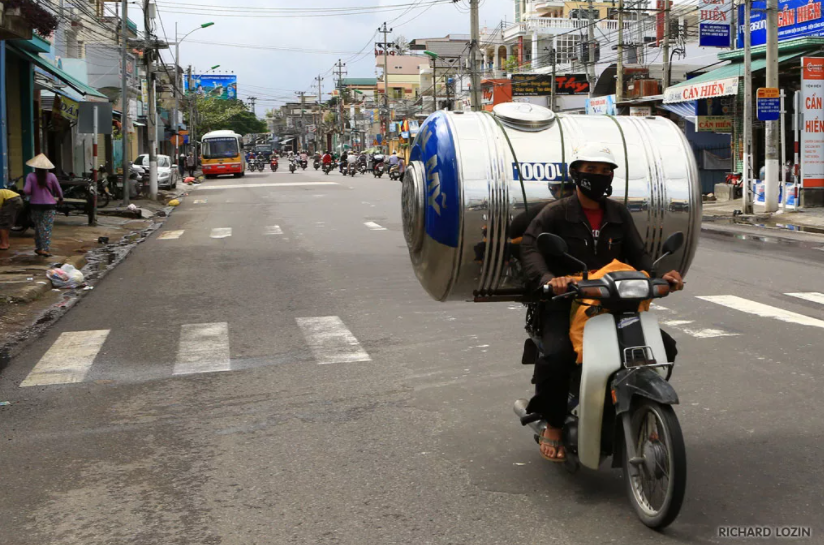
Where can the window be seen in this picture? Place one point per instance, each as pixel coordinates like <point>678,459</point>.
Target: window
<point>220,148</point>
<point>163,161</point>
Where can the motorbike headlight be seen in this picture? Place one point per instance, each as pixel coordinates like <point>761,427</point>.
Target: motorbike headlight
<point>633,289</point>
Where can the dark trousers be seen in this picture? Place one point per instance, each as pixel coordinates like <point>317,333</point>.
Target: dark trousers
<point>554,368</point>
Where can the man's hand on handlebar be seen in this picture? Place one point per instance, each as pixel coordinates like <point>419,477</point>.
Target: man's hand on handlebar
<point>560,284</point>
<point>675,280</point>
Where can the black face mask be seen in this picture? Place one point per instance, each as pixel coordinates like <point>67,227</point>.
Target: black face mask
<point>594,186</point>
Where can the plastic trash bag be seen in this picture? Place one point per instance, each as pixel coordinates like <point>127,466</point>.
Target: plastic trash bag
<point>174,202</point>
<point>66,277</point>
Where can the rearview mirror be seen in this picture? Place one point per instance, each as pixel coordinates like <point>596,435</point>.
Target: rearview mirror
<point>673,243</point>
<point>552,245</point>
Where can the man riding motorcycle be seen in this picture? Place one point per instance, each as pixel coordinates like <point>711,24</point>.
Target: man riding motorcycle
<point>597,231</point>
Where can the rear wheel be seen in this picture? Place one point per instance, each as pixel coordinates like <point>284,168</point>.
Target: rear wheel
<point>657,480</point>
<point>103,200</point>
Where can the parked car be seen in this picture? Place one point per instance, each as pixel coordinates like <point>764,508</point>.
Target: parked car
<point>166,170</point>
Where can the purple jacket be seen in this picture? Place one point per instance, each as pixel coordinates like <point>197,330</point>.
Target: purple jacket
<point>43,195</point>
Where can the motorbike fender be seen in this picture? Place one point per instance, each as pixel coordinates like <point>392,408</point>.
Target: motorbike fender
<point>602,358</point>
<point>653,339</point>
<point>641,382</point>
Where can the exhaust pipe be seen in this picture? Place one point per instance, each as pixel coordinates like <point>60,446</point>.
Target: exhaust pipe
<point>534,421</point>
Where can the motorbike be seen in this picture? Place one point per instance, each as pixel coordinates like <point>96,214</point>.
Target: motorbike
<point>377,170</point>
<point>395,172</point>
<point>327,167</point>
<point>351,169</point>
<point>316,164</point>
<point>260,163</point>
<point>273,164</point>
<point>620,400</point>
<point>362,167</point>
<point>293,166</point>
<point>303,164</point>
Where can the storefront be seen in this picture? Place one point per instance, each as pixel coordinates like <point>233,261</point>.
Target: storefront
<point>712,105</point>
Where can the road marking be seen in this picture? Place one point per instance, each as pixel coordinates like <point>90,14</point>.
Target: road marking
<point>69,358</point>
<point>200,201</point>
<point>272,184</point>
<point>168,235</point>
<point>272,230</point>
<point>330,340</point>
<point>697,333</point>
<point>374,226</point>
<point>760,309</point>
<point>221,232</point>
<point>203,348</point>
<point>813,296</point>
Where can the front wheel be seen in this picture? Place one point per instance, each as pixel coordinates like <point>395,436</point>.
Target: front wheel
<point>657,480</point>
<point>103,200</point>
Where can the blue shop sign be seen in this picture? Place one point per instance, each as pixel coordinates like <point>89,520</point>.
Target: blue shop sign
<point>796,19</point>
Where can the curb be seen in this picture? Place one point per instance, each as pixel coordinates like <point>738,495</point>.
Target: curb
<point>26,294</point>
<point>11,347</point>
<point>764,234</point>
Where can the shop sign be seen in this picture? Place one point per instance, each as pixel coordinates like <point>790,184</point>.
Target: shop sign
<point>69,109</point>
<point>532,85</point>
<point>812,115</point>
<point>714,17</point>
<point>768,104</point>
<point>698,91</point>
<point>640,111</point>
<point>601,105</point>
<point>796,19</point>
<point>713,123</point>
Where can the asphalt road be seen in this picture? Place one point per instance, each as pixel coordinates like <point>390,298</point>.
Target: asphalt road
<point>267,369</point>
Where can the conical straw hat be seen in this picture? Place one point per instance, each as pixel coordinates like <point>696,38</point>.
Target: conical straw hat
<point>41,161</point>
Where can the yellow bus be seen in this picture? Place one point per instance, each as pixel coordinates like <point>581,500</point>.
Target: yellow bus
<point>221,153</point>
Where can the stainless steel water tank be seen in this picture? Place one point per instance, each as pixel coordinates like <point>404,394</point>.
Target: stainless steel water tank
<point>461,190</point>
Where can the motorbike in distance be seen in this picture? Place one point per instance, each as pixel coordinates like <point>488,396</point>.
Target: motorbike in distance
<point>327,167</point>
<point>395,172</point>
<point>316,163</point>
<point>273,164</point>
<point>620,399</point>
<point>292,165</point>
<point>351,169</point>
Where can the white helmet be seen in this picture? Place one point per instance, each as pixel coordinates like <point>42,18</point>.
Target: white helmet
<point>593,152</point>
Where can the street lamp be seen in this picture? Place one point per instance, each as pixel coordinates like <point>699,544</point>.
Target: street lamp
<point>189,83</point>
<point>434,58</point>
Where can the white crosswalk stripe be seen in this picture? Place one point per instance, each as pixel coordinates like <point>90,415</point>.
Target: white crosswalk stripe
<point>203,348</point>
<point>374,226</point>
<point>330,340</point>
<point>221,232</point>
<point>68,359</point>
<point>169,235</point>
<point>272,230</point>
<point>760,309</point>
<point>812,296</point>
<point>698,333</point>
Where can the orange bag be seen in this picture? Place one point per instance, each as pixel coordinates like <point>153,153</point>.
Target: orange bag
<point>578,316</point>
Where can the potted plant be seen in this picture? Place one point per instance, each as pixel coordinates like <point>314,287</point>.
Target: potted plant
<point>21,17</point>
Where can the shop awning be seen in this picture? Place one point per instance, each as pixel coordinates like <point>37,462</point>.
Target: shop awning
<point>287,140</point>
<point>684,109</point>
<point>45,65</point>
<point>717,83</point>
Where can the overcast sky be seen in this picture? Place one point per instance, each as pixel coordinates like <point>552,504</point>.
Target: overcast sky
<point>274,75</point>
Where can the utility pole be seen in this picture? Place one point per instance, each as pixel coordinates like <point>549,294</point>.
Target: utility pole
<point>591,47</point>
<point>190,99</point>
<point>152,103</point>
<point>434,85</point>
<point>475,91</point>
<point>124,99</point>
<point>747,204</point>
<point>772,129</point>
<point>319,79</point>
<point>302,95</point>
<point>252,101</point>
<point>340,66</point>
<point>619,82</point>
<point>553,55</point>
<point>385,116</point>
<point>175,126</point>
<point>666,47</point>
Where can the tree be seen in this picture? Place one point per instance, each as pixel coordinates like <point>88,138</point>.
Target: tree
<point>511,64</point>
<point>402,44</point>
<point>220,114</point>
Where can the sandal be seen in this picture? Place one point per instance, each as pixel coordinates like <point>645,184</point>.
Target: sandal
<point>554,443</point>
<point>42,253</point>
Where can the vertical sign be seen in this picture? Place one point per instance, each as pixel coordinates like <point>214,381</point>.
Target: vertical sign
<point>659,22</point>
<point>812,129</point>
<point>768,104</point>
<point>714,23</point>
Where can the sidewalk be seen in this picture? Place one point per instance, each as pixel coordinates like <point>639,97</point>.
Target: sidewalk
<point>809,220</point>
<point>26,294</point>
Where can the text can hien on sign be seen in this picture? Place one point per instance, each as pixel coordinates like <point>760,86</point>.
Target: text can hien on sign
<point>812,129</point>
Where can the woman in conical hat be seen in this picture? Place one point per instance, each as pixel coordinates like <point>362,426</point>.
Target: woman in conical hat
<point>44,195</point>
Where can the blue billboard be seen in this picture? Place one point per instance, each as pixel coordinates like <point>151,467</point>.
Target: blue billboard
<point>796,19</point>
<point>213,85</point>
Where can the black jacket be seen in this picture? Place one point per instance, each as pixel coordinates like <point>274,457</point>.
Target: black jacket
<point>619,239</point>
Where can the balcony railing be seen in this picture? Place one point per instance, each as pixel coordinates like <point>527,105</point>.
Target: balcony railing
<point>556,25</point>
